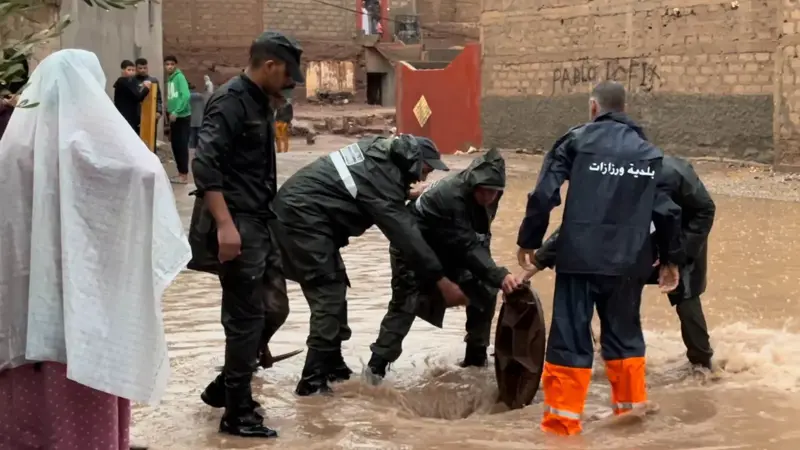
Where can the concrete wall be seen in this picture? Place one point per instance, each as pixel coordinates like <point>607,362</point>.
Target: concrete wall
<point>377,63</point>
<point>116,35</point>
<point>702,73</point>
<point>210,33</point>
<point>112,35</point>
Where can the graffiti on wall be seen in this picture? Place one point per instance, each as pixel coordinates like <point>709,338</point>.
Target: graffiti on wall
<point>635,74</point>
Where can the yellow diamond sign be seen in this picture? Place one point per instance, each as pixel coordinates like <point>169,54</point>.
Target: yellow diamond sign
<point>422,111</point>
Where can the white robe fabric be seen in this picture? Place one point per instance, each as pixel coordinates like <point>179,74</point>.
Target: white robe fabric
<point>209,84</point>
<point>90,236</point>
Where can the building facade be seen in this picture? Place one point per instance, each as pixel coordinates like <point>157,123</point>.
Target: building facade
<point>112,35</point>
<point>705,77</point>
<point>213,37</point>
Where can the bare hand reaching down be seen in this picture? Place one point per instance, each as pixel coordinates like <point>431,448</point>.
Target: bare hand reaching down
<point>668,277</point>
<point>453,295</point>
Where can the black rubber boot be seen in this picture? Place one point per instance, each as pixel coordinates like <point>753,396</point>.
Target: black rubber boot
<point>705,364</point>
<point>246,425</point>
<point>474,356</point>
<point>314,379</point>
<point>376,370</point>
<point>240,418</point>
<point>339,370</point>
<point>214,394</point>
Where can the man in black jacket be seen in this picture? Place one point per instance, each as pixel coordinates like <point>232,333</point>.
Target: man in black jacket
<point>455,215</point>
<point>235,173</point>
<point>143,74</point>
<point>337,197</point>
<point>697,217</point>
<point>605,255</point>
<point>129,94</point>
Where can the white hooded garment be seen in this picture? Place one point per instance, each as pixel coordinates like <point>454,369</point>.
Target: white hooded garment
<point>209,84</point>
<point>89,236</point>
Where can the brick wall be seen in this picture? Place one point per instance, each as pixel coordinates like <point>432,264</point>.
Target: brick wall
<point>449,22</point>
<point>404,6</point>
<point>787,92</point>
<point>701,76</point>
<point>206,33</point>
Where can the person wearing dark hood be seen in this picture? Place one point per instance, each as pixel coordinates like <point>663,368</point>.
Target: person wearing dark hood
<point>129,94</point>
<point>455,215</point>
<point>10,89</point>
<point>606,253</point>
<point>697,217</point>
<point>236,181</point>
<point>337,197</point>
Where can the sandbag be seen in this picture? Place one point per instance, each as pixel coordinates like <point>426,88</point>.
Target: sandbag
<point>519,347</point>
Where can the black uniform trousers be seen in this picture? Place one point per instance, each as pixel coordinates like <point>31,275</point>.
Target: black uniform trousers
<point>254,306</point>
<point>694,330</point>
<point>406,296</point>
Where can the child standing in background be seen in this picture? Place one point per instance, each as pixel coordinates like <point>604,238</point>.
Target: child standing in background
<point>283,122</point>
<point>180,112</point>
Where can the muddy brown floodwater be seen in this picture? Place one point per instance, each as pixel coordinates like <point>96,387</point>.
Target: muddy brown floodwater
<point>429,403</point>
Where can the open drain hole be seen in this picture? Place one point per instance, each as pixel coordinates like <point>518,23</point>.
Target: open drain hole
<point>449,401</point>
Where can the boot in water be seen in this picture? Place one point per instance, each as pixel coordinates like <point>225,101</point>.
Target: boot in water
<point>246,425</point>
<point>214,394</point>
<point>312,383</point>
<point>240,418</point>
<point>314,378</point>
<point>339,369</point>
<point>375,371</point>
<point>474,356</point>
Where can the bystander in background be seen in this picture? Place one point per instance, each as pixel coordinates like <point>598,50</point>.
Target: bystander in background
<point>197,100</point>
<point>284,113</point>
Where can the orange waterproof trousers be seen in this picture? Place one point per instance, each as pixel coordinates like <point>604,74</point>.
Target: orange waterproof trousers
<point>570,352</point>
<point>282,137</point>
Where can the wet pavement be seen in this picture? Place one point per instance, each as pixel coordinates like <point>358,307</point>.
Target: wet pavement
<point>428,403</point>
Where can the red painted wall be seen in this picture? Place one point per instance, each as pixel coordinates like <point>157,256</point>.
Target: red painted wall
<point>453,95</point>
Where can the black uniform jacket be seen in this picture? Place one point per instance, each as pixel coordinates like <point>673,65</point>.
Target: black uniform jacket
<point>341,195</point>
<point>456,226</point>
<point>235,156</point>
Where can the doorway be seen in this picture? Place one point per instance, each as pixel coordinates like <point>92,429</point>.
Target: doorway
<point>375,88</point>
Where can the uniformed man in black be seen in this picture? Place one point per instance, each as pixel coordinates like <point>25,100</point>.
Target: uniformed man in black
<point>697,217</point>
<point>338,197</point>
<point>606,254</point>
<point>235,174</point>
<point>455,216</point>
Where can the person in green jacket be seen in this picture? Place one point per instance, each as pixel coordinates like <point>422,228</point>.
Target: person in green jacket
<point>179,112</point>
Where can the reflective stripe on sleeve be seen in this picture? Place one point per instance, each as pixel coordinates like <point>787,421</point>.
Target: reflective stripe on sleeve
<point>344,173</point>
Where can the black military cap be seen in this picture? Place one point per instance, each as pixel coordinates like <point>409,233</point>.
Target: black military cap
<point>284,48</point>
<point>431,154</point>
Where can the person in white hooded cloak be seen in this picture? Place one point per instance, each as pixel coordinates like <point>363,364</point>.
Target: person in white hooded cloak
<point>90,237</point>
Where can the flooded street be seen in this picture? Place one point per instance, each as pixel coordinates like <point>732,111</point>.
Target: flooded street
<point>429,403</point>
